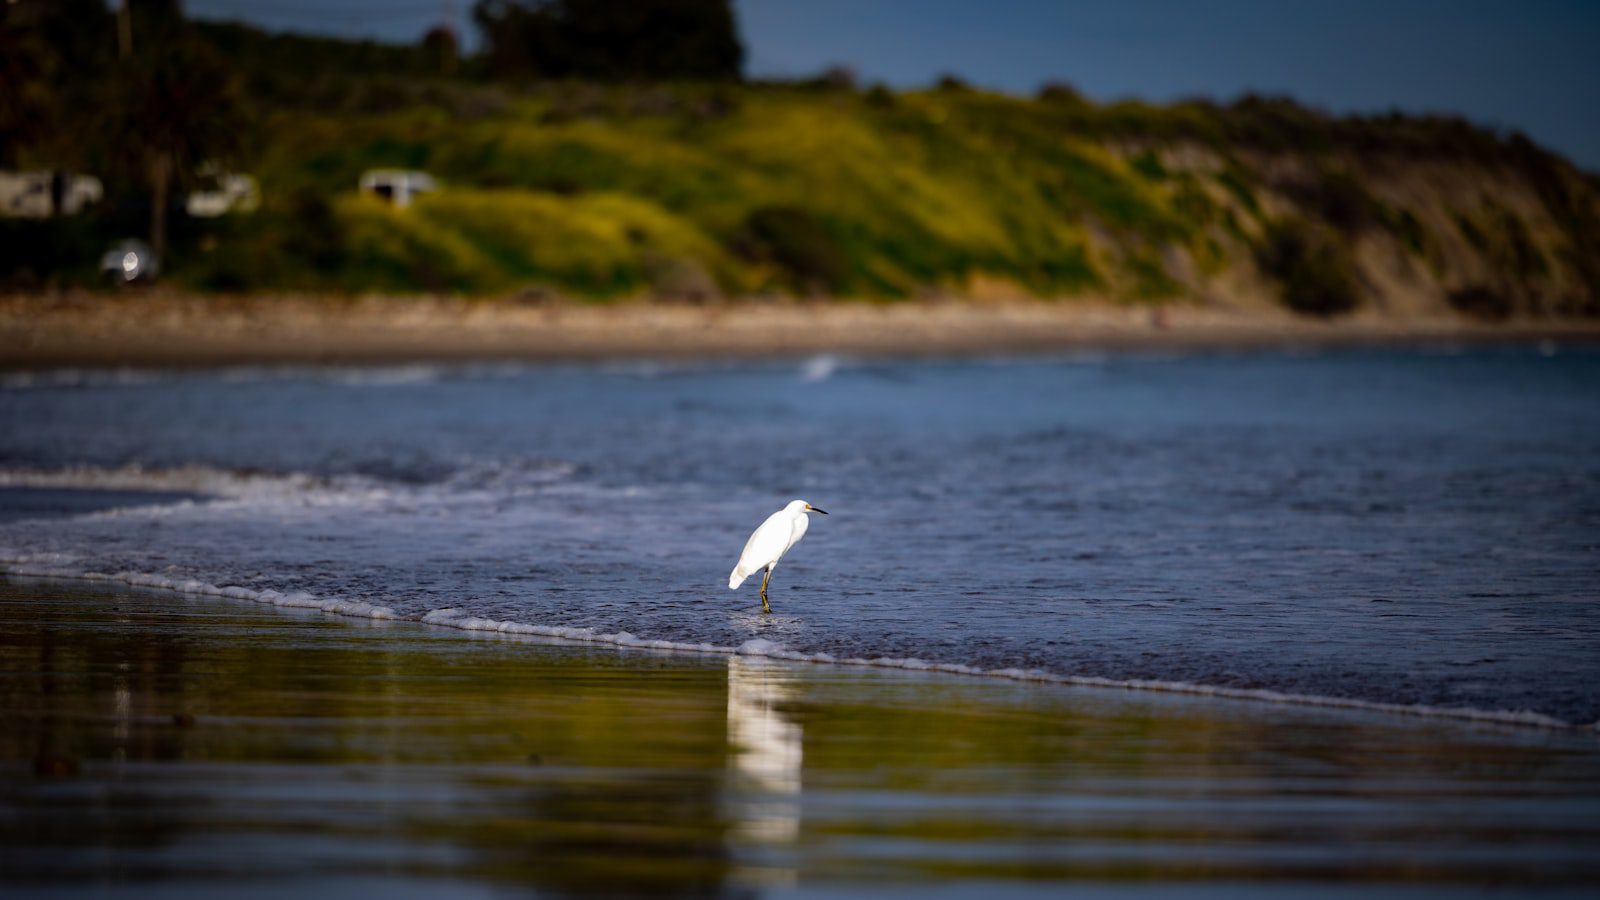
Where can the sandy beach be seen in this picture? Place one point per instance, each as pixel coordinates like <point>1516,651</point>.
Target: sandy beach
<point>700,449</point>
<point>138,328</point>
<point>183,746</point>
<point>165,744</point>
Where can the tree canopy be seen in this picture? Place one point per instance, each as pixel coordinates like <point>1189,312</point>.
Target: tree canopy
<point>611,40</point>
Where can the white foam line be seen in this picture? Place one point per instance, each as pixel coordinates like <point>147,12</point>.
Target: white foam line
<point>514,477</point>
<point>38,566</point>
<point>191,478</point>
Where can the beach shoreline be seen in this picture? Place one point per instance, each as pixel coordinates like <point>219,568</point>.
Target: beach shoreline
<point>164,329</point>
<point>168,740</point>
<point>762,651</point>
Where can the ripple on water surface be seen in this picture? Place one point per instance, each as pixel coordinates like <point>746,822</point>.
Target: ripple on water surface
<point>1390,528</point>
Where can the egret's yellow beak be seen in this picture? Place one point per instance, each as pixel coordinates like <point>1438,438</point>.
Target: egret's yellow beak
<point>810,508</point>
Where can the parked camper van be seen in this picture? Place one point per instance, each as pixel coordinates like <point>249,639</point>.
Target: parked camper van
<point>44,193</point>
<point>398,186</point>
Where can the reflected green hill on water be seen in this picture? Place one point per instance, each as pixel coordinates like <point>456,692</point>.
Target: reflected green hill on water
<point>161,741</point>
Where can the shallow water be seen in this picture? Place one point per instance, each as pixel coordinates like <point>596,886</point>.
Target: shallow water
<point>1395,527</point>
<point>165,746</point>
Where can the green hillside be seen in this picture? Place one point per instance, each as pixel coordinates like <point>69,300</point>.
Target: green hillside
<point>827,189</point>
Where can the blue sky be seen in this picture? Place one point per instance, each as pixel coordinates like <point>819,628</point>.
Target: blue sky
<point>1532,65</point>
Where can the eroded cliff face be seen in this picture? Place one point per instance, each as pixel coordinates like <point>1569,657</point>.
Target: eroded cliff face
<point>699,192</point>
<point>1381,233</point>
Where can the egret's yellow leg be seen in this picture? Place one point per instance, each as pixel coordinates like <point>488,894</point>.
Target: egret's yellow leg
<point>765,606</point>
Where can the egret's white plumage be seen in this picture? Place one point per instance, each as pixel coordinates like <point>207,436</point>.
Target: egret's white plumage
<point>782,530</point>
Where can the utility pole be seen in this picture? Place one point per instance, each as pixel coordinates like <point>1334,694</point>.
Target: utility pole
<point>124,31</point>
<point>452,42</point>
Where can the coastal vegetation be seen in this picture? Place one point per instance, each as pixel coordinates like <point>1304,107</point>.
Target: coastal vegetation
<point>617,182</point>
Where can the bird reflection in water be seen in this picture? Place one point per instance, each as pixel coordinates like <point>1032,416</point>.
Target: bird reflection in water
<point>766,752</point>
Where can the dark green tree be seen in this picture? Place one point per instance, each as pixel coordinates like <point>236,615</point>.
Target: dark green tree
<point>611,40</point>
<point>175,106</point>
<point>52,55</point>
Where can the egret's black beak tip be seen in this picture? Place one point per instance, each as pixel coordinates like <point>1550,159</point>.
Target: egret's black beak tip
<point>823,511</point>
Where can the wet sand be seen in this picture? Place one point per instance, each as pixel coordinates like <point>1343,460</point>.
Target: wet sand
<point>165,745</point>
<point>138,328</point>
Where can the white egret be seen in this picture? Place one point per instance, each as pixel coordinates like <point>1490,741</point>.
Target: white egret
<point>782,530</point>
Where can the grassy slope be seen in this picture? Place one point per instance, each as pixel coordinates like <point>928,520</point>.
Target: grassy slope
<point>785,190</point>
<point>692,190</point>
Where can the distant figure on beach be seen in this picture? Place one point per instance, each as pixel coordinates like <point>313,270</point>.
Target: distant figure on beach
<point>782,530</point>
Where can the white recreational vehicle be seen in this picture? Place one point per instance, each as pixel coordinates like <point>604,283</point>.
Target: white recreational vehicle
<point>398,186</point>
<point>44,193</point>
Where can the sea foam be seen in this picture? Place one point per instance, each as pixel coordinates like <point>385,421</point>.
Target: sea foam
<point>63,566</point>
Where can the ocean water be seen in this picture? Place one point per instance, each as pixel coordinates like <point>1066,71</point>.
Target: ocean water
<point>160,745</point>
<point>1412,529</point>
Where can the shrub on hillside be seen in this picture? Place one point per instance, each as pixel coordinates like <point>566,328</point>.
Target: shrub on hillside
<point>678,278</point>
<point>799,243</point>
<point>315,238</point>
<point>1481,302</point>
<point>1062,93</point>
<point>1338,199</point>
<point>1315,270</point>
<point>833,78</point>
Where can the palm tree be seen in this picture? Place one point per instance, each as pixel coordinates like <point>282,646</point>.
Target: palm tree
<point>176,106</point>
